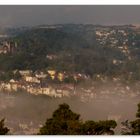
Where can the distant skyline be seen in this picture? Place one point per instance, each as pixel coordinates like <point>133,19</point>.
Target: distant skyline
<point>24,15</point>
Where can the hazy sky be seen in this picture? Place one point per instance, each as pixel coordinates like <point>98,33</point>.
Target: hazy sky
<point>35,15</point>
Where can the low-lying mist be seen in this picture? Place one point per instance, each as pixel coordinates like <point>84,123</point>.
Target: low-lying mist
<point>25,113</point>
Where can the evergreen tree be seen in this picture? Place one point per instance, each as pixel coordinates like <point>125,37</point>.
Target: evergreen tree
<point>66,122</point>
<point>63,122</point>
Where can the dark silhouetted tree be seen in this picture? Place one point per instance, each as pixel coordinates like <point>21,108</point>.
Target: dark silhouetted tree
<point>3,130</point>
<point>63,122</point>
<point>66,122</point>
<point>136,124</point>
<point>99,128</point>
<point>132,127</point>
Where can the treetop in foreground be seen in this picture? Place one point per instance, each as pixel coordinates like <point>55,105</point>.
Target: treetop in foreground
<point>65,122</point>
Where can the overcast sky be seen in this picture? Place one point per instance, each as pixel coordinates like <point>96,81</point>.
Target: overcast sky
<point>35,15</point>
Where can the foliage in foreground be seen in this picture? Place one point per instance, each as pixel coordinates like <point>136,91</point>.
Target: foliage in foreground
<point>132,127</point>
<point>65,122</point>
<point>3,130</point>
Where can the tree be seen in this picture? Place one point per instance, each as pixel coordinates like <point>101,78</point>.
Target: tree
<point>136,123</point>
<point>132,127</point>
<point>126,128</point>
<point>63,122</point>
<point>3,130</point>
<point>66,122</point>
<point>99,128</point>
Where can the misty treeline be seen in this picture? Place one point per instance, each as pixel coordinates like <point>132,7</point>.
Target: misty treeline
<point>66,122</point>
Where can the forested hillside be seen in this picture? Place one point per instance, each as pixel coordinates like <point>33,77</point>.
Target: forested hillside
<point>89,49</point>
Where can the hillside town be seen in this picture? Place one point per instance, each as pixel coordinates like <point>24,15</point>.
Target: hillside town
<point>37,84</point>
<point>54,83</point>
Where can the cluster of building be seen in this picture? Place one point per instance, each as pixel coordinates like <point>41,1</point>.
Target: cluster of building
<point>118,38</point>
<point>7,47</point>
<point>37,83</point>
